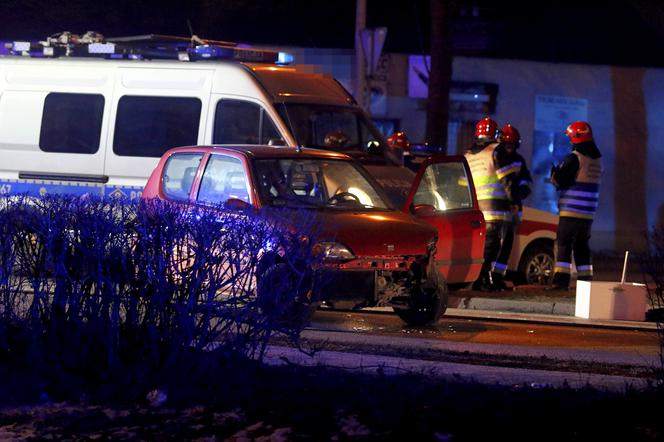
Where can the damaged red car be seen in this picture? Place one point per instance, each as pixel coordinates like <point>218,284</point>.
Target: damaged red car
<point>373,254</point>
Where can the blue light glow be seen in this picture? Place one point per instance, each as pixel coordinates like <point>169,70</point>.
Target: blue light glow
<point>285,58</point>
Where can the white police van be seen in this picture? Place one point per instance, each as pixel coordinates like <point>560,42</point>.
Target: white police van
<point>88,115</point>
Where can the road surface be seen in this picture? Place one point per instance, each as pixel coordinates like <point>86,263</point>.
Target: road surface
<point>488,351</point>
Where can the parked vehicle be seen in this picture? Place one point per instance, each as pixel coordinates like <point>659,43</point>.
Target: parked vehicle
<point>373,253</point>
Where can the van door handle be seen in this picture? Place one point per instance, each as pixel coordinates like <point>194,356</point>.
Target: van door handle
<point>475,224</point>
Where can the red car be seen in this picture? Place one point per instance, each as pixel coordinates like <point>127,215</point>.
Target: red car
<point>377,254</point>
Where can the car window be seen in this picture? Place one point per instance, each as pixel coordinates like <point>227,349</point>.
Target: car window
<point>179,174</point>
<point>243,122</point>
<point>445,186</point>
<point>315,183</point>
<point>224,178</point>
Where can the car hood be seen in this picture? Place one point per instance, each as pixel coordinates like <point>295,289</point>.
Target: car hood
<point>377,233</point>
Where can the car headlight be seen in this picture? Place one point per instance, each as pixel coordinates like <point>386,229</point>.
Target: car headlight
<point>332,250</point>
<point>270,244</point>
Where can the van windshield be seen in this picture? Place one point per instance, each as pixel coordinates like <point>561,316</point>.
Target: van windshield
<point>315,183</point>
<point>329,127</point>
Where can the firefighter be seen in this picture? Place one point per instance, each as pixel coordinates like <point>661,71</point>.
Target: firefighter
<point>577,179</point>
<point>493,176</point>
<point>521,186</point>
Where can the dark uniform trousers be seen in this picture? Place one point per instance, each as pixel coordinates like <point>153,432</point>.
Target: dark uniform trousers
<point>495,236</point>
<point>503,258</point>
<point>572,239</point>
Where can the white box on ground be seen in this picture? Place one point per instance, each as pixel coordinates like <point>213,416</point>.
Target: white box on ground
<point>611,300</point>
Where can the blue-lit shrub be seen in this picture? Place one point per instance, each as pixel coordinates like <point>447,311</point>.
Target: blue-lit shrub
<point>652,265</point>
<point>97,289</point>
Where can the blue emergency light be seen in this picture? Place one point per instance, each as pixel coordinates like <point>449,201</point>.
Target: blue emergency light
<point>142,47</point>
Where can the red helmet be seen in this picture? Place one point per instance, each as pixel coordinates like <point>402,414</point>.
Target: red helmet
<point>398,139</point>
<point>486,128</point>
<point>579,132</point>
<point>509,134</point>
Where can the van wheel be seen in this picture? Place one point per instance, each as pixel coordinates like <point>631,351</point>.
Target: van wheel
<point>536,265</point>
<point>426,305</point>
<point>285,298</point>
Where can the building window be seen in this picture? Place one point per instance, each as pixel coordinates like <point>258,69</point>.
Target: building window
<point>243,122</point>
<point>149,126</point>
<point>71,123</point>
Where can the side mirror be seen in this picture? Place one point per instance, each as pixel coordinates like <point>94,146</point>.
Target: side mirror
<point>423,210</point>
<point>235,204</point>
<point>276,142</point>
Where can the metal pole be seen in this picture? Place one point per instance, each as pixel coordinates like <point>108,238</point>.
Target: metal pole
<point>360,63</point>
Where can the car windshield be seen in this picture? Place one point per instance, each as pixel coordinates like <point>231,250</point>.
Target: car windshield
<point>329,127</point>
<point>316,183</point>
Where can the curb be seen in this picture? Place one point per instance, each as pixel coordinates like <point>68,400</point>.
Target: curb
<point>509,314</point>
<point>512,305</point>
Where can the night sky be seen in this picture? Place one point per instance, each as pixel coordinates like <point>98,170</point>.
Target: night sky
<point>621,33</point>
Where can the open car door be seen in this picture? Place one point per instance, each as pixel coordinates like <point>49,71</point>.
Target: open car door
<point>443,196</point>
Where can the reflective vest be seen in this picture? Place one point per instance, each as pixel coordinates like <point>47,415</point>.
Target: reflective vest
<point>581,199</point>
<point>491,194</point>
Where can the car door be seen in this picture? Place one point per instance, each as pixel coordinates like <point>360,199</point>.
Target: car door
<point>443,196</point>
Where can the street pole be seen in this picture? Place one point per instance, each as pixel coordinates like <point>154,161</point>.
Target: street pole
<point>438,104</point>
<point>360,64</point>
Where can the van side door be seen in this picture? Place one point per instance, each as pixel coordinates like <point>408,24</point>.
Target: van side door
<point>155,109</point>
<point>443,196</point>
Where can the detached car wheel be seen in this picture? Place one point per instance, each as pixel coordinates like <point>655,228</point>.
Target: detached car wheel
<point>285,297</point>
<point>426,305</point>
<point>536,265</point>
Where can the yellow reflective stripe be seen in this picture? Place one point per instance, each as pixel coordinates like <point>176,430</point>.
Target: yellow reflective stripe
<point>585,270</point>
<point>484,179</point>
<point>499,268</point>
<point>571,214</point>
<point>502,173</point>
<point>495,217</point>
<point>558,269</point>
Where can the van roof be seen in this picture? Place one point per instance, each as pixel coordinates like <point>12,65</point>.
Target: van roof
<point>257,151</point>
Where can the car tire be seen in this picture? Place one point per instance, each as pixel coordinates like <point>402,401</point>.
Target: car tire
<point>285,299</point>
<point>536,265</point>
<point>428,305</point>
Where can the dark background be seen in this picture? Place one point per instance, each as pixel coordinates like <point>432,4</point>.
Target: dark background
<point>619,32</point>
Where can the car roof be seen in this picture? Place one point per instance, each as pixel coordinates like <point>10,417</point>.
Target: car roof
<point>257,151</point>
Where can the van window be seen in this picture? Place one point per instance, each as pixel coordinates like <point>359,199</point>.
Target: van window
<point>179,174</point>
<point>71,123</point>
<point>243,122</point>
<point>149,126</point>
<point>223,179</point>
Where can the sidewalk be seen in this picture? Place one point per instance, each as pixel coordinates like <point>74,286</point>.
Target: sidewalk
<point>527,303</point>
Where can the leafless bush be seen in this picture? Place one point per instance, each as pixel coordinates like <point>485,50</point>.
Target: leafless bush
<point>95,287</point>
<point>652,264</point>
